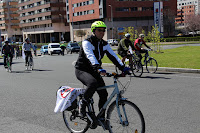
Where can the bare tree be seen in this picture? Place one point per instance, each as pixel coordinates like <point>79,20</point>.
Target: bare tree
<point>80,33</point>
<point>168,21</point>
<point>192,23</point>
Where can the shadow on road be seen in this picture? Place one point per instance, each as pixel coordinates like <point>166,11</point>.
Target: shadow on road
<point>21,71</point>
<point>151,77</point>
<point>41,70</point>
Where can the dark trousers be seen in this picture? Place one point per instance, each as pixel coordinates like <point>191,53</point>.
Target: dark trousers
<point>27,53</point>
<point>5,56</point>
<point>93,81</point>
<point>141,51</point>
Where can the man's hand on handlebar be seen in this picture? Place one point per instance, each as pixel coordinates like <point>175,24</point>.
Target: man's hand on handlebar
<point>102,72</point>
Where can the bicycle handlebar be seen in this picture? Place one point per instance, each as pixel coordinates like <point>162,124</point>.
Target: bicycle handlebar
<point>115,75</point>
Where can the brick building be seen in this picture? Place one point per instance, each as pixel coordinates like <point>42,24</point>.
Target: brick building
<point>43,20</point>
<point>9,23</point>
<point>137,13</point>
<point>184,12</point>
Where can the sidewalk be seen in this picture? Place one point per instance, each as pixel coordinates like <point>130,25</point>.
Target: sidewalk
<point>167,69</point>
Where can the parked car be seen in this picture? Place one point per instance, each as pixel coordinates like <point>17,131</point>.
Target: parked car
<point>54,48</point>
<point>63,42</point>
<point>72,47</point>
<point>44,49</point>
<point>113,42</point>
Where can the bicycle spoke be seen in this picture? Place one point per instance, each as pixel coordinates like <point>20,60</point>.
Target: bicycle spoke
<point>133,123</point>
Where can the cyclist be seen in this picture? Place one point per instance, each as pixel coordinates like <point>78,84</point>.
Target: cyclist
<point>138,46</point>
<point>7,49</point>
<point>123,48</point>
<point>88,66</point>
<point>63,47</point>
<point>27,49</point>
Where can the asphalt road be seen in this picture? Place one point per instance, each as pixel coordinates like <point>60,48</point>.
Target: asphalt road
<point>169,101</point>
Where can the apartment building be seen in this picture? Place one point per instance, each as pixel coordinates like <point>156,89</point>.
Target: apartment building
<point>44,20</point>
<point>116,14</point>
<point>9,20</point>
<point>183,13</point>
<point>183,3</point>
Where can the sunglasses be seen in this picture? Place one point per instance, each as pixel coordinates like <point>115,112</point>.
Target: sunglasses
<point>99,30</point>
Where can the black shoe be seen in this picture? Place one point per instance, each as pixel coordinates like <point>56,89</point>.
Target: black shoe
<point>82,107</point>
<point>6,66</point>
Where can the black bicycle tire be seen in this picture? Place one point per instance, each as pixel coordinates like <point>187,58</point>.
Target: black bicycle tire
<point>113,105</point>
<point>155,63</point>
<point>31,63</point>
<point>138,63</point>
<point>70,129</point>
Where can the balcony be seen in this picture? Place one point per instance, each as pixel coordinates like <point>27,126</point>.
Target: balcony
<point>13,3</point>
<point>2,27</point>
<point>15,21</point>
<point>35,23</point>
<point>15,26</point>
<point>60,4</point>
<point>13,9</point>
<point>14,15</point>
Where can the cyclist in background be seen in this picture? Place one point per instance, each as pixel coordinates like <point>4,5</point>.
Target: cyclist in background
<point>7,50</point>
<point>123,48</point>
<point>27,49</point>
<point>88,66</point>
<point>138,46</point>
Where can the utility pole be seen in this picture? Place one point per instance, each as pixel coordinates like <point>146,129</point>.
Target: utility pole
<point>111,18</point>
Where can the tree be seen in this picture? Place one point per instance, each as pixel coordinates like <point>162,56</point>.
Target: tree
<point>80,33</point>
<point>168,21</point>
<point>155,38</point>
<point>192,23</point>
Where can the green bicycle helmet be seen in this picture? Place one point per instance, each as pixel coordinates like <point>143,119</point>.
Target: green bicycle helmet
<point>97,24</point>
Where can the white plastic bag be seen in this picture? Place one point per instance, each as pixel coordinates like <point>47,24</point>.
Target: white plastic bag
<point>65,96</point>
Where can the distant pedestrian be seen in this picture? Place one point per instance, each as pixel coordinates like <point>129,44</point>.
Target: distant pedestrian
<point>63,47</point>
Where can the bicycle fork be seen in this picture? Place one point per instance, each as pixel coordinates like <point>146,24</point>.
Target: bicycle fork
<point>122,112</point>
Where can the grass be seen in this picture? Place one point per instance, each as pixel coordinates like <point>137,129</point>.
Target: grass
<point>181,57</point>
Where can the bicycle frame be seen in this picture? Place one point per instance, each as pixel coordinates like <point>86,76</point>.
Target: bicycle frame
<point>118,97</point>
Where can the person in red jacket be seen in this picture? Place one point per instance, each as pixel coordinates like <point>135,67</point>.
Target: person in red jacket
<point>138,46</point>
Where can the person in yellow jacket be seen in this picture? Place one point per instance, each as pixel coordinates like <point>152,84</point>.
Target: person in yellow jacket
<point>123,48</point>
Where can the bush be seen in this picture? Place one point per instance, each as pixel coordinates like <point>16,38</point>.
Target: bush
<point>182,39</point>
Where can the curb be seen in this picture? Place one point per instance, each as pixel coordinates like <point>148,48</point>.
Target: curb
<point>166,69</point>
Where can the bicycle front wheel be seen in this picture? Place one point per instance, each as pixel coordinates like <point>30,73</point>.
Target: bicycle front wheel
<point>31,64</point>
<point>132,120</point>
<point>137,69</point>
<point>151,65</point>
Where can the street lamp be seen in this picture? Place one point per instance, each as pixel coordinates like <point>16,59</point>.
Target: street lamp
<point>72,24</point>
<point>111,18</point>
<point>62,34</point>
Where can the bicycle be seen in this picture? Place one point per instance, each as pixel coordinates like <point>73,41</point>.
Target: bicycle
<point>8,63</point>
<point>30,63</point>
<point>136,66</point>
<point>150,63</point>
<point>120,113</point>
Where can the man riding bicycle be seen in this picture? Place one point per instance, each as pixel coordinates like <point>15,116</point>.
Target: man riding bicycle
<point>123,48</point>
<point>27,49</point>
<point>88,66</point>
<point>138,46</point>
<point>7,50</point>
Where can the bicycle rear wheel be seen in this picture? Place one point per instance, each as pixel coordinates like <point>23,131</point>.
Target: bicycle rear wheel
<point>74,122</point>
<point>132,118</point>
<point>151,65</point>
<point>137,69</point>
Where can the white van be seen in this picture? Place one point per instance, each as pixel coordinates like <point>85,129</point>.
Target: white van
<point>54,48</point>
<point>113,42</point>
